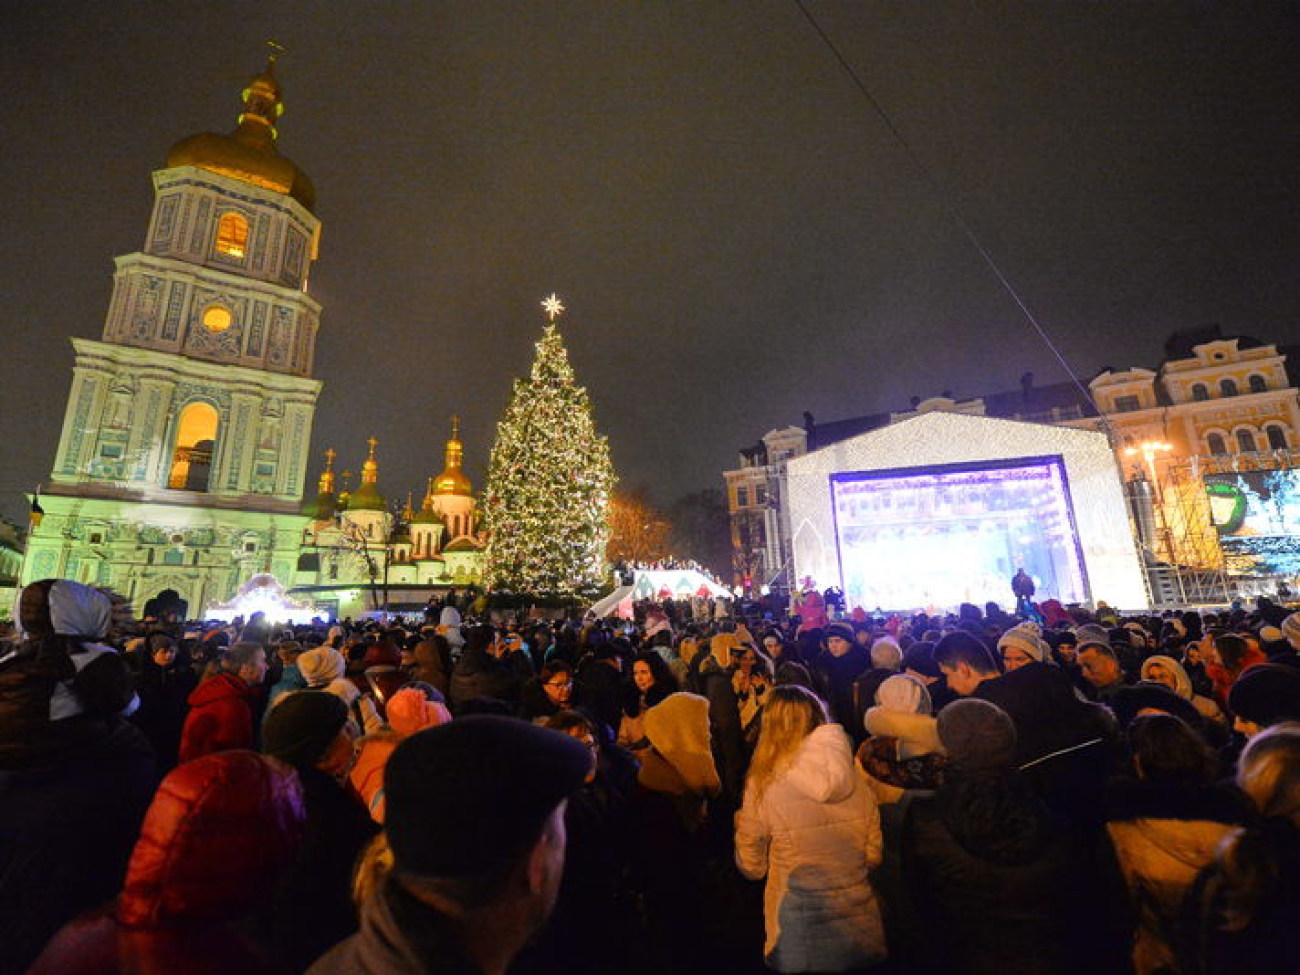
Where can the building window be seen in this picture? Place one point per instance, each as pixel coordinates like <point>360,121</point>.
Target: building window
<point>1228,387</point>
<point>760,495</point>
<point>1258,384</point>
<point>232,235</point>
<point>1200,393</point>
<point>1245,442</point>
<point>1276,437</point>
<point>1216,443</point>
<point>196,434</point>
<point>1127,404</point>
<point>742,497</point>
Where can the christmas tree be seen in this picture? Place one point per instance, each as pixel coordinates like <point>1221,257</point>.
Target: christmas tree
<point>549,481</point>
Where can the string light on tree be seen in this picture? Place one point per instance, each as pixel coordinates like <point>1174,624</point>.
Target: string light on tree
<point>549,481</point>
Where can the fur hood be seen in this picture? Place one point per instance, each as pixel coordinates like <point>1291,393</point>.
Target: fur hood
<point>822,767</point>
<point>917,734</point>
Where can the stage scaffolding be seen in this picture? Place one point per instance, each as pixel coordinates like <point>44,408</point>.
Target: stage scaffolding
<point>1173,520</point>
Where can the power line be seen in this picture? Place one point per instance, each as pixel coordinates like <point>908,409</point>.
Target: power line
<point>937,188</point>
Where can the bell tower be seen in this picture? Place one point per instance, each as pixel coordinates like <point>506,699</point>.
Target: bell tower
<point>184,444</point>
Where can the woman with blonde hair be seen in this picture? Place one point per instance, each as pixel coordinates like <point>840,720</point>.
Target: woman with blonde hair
<point>809,824</point>
<point>1245,908</point>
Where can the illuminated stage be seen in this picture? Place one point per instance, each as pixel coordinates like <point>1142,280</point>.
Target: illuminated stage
<point>943,508</point>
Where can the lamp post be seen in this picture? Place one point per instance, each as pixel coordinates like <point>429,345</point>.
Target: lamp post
<point>1150,449</point>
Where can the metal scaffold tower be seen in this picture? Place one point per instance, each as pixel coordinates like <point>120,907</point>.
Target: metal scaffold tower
<point>1192,545</point>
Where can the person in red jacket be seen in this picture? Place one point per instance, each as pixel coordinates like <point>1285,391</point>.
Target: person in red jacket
<point>221,708</point>
<point>220,831</point>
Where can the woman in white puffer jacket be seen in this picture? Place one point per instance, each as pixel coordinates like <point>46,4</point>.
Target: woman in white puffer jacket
<point>809,824</point>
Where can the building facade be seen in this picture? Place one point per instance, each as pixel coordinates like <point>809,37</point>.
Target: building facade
<point>184,443</point>
<point>1217,409</point>
<point>359,551</point>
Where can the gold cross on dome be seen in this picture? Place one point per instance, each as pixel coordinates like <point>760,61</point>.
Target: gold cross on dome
<point>553,307</point>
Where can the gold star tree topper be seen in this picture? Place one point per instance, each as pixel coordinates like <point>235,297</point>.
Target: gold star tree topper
<point>553,307</point>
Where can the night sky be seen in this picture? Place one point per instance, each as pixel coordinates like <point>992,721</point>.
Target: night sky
<point>736,234</point>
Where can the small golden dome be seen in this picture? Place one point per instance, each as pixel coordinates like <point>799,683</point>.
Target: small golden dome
<point>453,480</point>
<point>249,153</point>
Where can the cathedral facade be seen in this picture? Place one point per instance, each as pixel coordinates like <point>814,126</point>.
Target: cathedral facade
<point>185,441</point>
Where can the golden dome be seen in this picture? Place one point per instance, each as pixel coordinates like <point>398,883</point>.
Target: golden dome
<point>249,154</point>
<point>452,480</point>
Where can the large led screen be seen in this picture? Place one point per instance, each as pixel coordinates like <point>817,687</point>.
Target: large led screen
<point>1257,516</point>
<point>939,536</point>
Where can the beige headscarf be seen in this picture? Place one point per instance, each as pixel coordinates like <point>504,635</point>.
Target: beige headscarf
<point>1182,683</point>
<point>678,729</point>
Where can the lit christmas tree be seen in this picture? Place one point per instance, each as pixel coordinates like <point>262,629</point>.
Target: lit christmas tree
<point>549,481</point>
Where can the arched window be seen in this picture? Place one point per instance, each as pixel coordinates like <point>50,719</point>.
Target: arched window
<point>1276,437</point>
<point>1258,384</point>
<point>232,235</point>
<point>1216,444</point>
<point>1200,393</point>
<point>1228,387</point>
<point>1245,442</point>
<point>196,435</point>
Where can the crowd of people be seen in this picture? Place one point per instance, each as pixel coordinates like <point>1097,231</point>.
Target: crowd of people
<point>1049,791</point>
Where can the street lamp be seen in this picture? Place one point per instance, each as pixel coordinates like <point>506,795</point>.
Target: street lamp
<point>1150,449</point>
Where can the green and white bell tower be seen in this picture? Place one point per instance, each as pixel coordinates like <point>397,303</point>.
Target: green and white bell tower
<point>184,445</point>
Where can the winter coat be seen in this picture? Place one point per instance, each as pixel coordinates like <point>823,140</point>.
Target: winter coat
<point>478,674</point>
<point>66,830</point>
<point>313,902</point>
<point>1163,837</point>
<point>1068,748</point>
<point>837,675</point>
<point>220,718</point>
<point>216,835</point>
<point>399,935</point>
<point>164,702</point>
<point>1266,945</point>
<point>432,665</point>
<point>814,834</point>
<point>291,679</point>
<point>999,885</point>
<point>367,774</point>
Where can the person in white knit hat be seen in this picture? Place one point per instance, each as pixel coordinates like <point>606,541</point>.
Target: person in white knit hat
<point>1022,645</point>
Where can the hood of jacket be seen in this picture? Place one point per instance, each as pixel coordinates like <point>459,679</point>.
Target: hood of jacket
<point>219,831</point>
<point>218,688</point>
<point>678,729</point>
<point>822,766</point>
